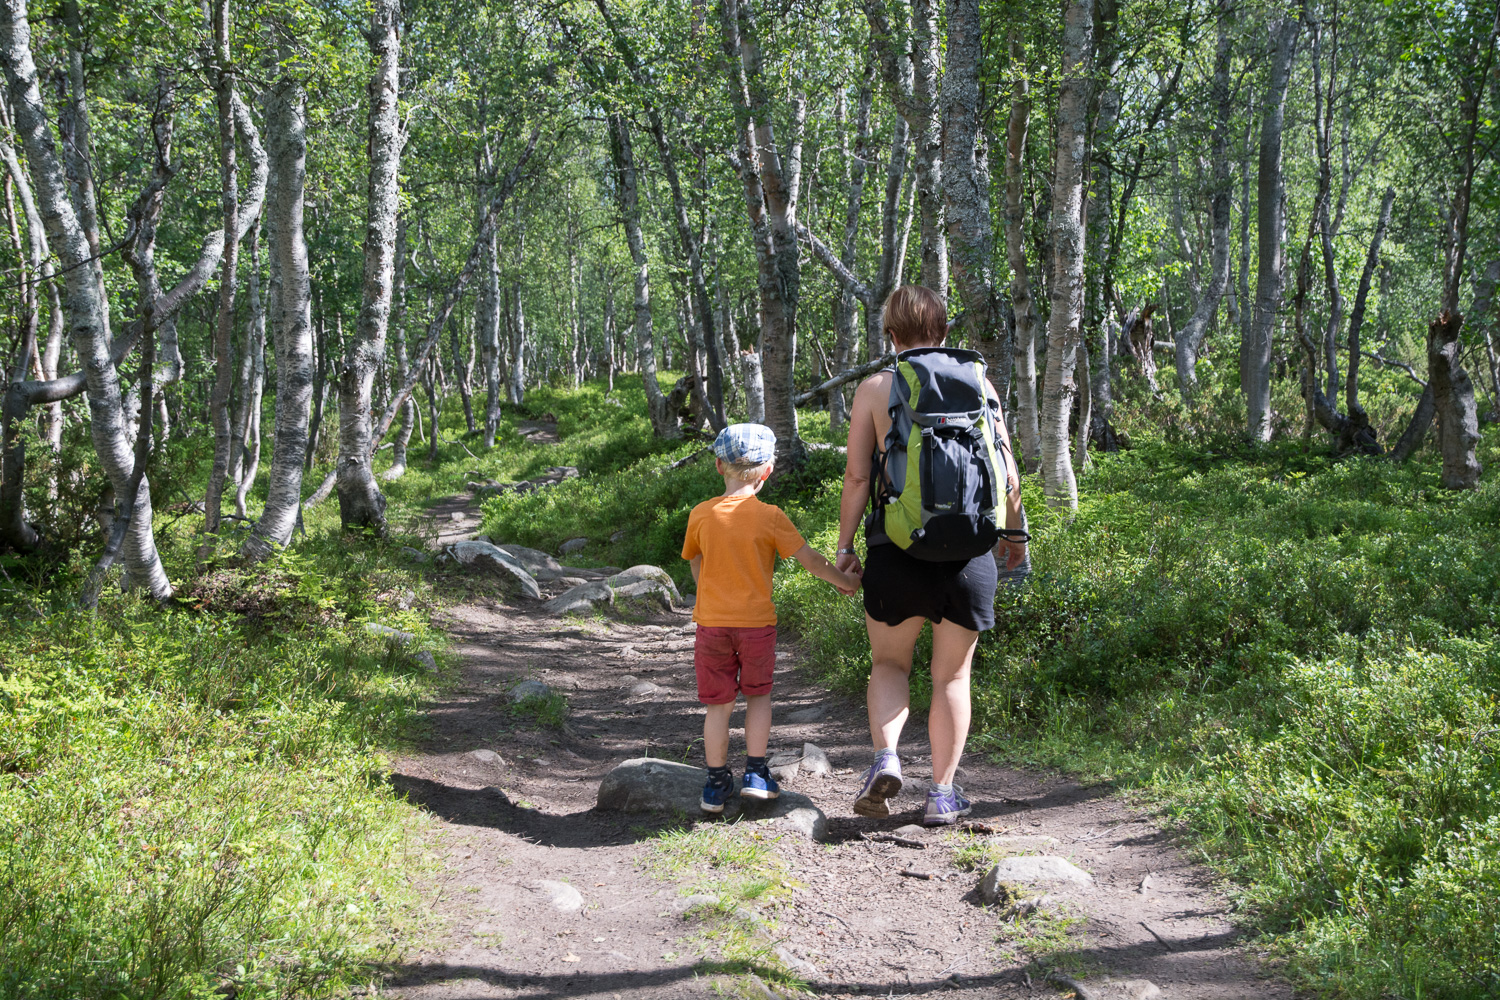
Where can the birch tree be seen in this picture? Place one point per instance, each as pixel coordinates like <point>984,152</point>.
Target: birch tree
<point>361,504</point>
<point>1066,231</point>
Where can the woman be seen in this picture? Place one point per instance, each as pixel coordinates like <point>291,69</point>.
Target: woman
<point>902,592</point>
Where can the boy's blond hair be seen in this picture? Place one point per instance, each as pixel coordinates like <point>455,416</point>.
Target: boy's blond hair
<point>747,473</point>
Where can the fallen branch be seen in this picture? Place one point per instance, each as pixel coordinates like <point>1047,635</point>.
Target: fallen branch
<point>892,838</point>
<point>843,378</point>
<point>687,459</point>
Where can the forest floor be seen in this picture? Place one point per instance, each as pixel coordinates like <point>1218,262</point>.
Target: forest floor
<point>512,829</point>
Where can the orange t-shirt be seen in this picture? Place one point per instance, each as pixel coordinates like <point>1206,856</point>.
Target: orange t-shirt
<point>739,539</point>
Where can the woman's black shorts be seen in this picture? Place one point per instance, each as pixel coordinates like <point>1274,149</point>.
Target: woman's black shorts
<point>898,586</point>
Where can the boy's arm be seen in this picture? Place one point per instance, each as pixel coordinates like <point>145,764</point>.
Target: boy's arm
<point>812,560</point>
<point>696,563</point>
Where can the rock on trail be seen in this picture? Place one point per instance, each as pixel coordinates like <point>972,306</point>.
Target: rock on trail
<point>649,784</point>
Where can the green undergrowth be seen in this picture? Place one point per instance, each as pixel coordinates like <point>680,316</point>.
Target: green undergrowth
<point>195,801</point>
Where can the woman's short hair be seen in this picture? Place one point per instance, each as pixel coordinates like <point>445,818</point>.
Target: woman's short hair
<point>915,317</point>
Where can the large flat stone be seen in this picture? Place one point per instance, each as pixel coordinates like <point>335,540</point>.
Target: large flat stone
<point>584,597</point>
<point>1038,868</point>
<point>532,559</point>
<point>649,784</point>
<point>482,555</point>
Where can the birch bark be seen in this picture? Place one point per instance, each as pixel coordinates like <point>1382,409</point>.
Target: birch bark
<point>1067,238</point>
<point>361,504</point>
<point>966,195</point>
<point>290,314</point>
<point>1022,304</point>
<point>1270,207</point>
<point>229,206</point>
<point>627,194</point>
<point>86,298</point>
<point>770,187</point>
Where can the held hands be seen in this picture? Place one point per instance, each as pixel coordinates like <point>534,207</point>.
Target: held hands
<point>849,566</point>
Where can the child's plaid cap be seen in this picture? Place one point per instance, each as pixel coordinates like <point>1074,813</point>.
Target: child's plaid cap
<point>746,444</point>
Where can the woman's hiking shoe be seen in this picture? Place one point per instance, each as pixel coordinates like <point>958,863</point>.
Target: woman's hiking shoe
<point>882,781</point>
<point>944,808</point>
<point>759,785</point>
<point>714,796</point>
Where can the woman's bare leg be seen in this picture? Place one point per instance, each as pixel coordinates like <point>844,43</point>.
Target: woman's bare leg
<point>888,696</point>
<point>948,722</point>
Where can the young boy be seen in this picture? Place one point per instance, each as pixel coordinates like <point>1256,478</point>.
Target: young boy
<point>732,542</point>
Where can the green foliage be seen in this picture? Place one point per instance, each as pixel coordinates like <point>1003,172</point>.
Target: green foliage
<point>195,801</point>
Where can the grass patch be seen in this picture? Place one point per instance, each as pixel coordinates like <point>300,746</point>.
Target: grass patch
<point>549,710</point>
<point>736,864</point>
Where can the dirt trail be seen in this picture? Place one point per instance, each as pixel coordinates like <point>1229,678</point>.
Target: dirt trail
<point>517,831</point>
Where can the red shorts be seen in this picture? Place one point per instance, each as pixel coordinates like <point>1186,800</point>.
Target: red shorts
<point>734,660</point>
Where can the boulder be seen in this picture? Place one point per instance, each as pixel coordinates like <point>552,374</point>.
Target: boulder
<point>426,659</point>
<point>645,572</point>
<point>648,784</point>
<point>392,635</point>
<point>652,589</point>
<point>529,689</point>
<point>805,715</point>
<point>815,761</point>
<point>488,757</point>
<point>618,536</point>
<point>415,555</point>
<point>532,559</point>
<point>642,689</point>
<point>483,555</point>
<point>572,545</point>
<point>1035,868</point>
<point>584,597</point>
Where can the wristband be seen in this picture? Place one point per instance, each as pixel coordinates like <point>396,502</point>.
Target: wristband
<point>845,552</point>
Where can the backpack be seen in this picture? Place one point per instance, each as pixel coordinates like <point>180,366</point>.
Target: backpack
<point>940,485</point>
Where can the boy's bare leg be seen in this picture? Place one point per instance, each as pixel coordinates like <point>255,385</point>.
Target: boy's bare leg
<point>716,733</point>
<point>757,726</point>
<point>948,721</point>
<point>888,695</point>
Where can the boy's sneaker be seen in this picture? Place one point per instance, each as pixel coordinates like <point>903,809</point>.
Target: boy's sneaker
<point>882,781</point>
<point>759,785</point>
<point>944,809</point>
<point>714,796</point>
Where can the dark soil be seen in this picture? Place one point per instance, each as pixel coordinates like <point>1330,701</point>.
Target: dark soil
<point>505,827</point>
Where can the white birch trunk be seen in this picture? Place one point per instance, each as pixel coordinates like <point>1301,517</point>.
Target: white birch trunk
<point>86,298</point>
<point>361,504</point>
<point>1028,433</point>
<point>290,315</point>
<point>1067,238</point>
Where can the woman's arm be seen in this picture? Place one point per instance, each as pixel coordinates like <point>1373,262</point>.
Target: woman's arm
<point>857,466</point>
